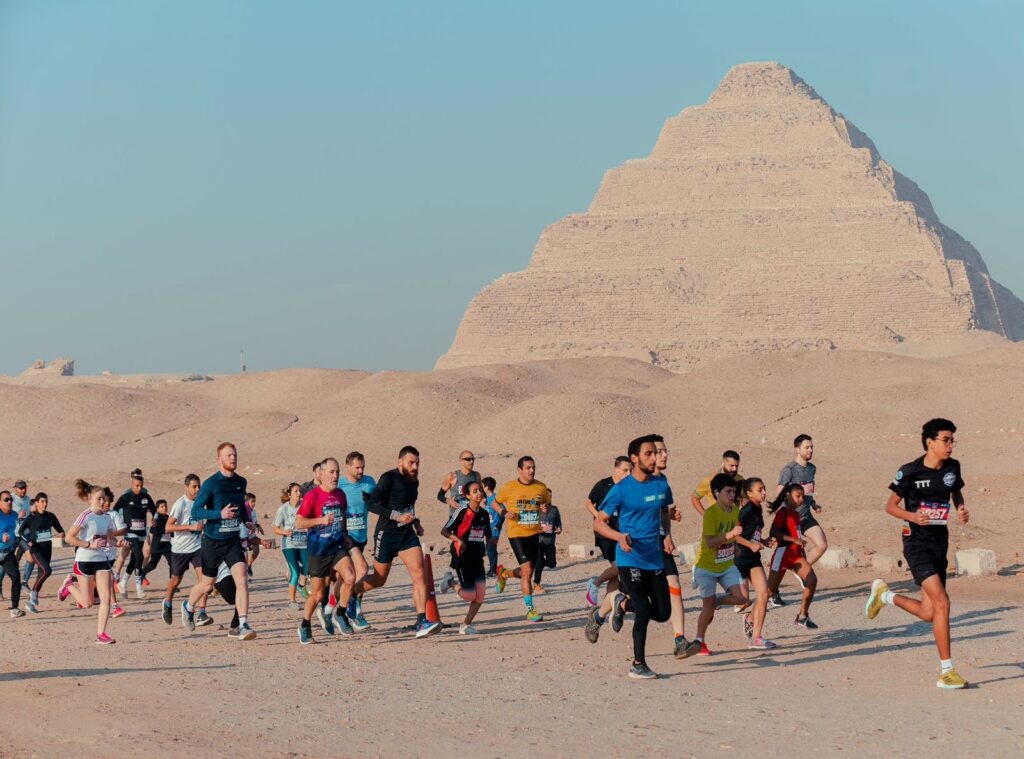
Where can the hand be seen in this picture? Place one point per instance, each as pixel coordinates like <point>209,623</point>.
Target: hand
<point>735,532</point>
<point>462,544</point>
<point>266,544</point>
<point>327,519</point>
<point>6,538</point>
<point>816,507</point>
<point>120,543</point>
<point>675,514</point>
<point>197,527</point>
<point>544,508</point>
<point>289,533</point>
<point>963,515</point>
<point>512,516</point>
<point>669,544</point>
<point>626,542</point>
<point>229,512</point>
<point>418,528</point>
<point>771,543</point>
<point>920,518</point>
<point>757,547</point>
<point>97,543</point>
<point>406,519</point>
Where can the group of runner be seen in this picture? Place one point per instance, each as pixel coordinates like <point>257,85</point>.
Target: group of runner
<point>213,529</point>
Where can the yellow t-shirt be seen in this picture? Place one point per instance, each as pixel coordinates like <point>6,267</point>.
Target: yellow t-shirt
<point>525,501</point>
<point>704,488</point>
<point>717,522</point>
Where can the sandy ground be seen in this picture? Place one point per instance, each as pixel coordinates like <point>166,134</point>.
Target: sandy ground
<point>851,688</point>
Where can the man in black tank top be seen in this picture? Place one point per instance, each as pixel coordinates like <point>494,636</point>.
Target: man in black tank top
<point>453,487</point>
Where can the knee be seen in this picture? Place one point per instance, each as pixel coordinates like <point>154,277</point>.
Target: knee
<point>811,581</point>
<point>940,605</point>
<point>348,577</point>
<point>481,591</point>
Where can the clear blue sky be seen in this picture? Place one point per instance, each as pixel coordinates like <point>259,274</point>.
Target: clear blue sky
<point>328,183</point>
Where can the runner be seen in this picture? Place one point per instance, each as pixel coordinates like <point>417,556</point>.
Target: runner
<point>322,514</point>
<point>225,585</point>
<point>926,487</point>
<point>550,527</point>
<point>789,551</point>
<point>802,472</point>
<point>22,506</point>
<point>641,501</point>
<point>469,530</point>
<point>186,541</point>
<point>93,531</point>
<point>730,466</point>
<point>681,648</point>
<point>620,470</point>
<point>253,542</point>
<point>398,532</point>
<point>8,542</point>
<point>453,487</point>
<point>220,503</point>
<point>520,502</point>
<point>134,507</point>
<point>496,523</point>
<point>749,545</point>
<point>159,541</point>
<point>315,482</point>
<point>293,542</point>
<point>357,487</point>
<point>37,532</point>
<point>715,565</point>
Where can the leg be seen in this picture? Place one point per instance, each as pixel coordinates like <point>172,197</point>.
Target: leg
<point>83,591</point>
<point>42,561</point>
<point>318,587</point>
<point>492,557</point>
<point>806,573</point>
<point>346,578</point>
<point>413,560</point>
<point>239,571</point>
<point>476,602</point>
<point>291,557</point>
<point>819,543</point>
<point>11,566</point>
<point>104,586</point>
<point>707,614</point>
<point>933,607</point>
<point>525,575</point>
<point>760,583</point>
<point>675,594</point>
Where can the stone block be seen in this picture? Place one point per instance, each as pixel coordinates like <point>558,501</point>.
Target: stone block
<point>577,551</point>
<point>975,561</point>
<point>887,563</point>
<point>837,558</point>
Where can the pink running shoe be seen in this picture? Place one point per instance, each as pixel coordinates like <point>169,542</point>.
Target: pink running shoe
<point>704,650</point>
<point>593,593</point>
<point>65,591</point>
<point>104,640</point>
<point>116,612</point>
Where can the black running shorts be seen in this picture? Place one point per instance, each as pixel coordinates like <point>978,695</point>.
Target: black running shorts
<point>180,562</point>
<point>525,549</point>
<point>387,544</point>
<point>322,564</point>
<point>607,546</point>
<point>926,558</point>
<point>213,553</point>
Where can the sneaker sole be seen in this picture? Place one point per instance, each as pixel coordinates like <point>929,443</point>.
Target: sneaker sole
<point>872,598</point>
<point>635,676</point>
<point>943,686</point>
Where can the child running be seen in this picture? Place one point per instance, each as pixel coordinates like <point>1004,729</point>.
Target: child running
<point>37,532</point>
<point>551,526</point>
<point>469,529</point>
<point>749,544</point>
<point>293,542</point>
<point>789,553</point>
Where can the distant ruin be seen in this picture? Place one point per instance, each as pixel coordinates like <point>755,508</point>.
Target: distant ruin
<point>60,367</point>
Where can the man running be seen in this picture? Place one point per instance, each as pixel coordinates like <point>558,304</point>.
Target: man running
<point>220,502</point>
<point>641,501</point>
<point>730,465</point>
<point>305,487</point>
<point>926,486</point>
<point>357,487</point>
<point>620,470</point>
<point>185,544</point>
<point>135,507</point>
<point>323,513</point>
<point>520,502</point>
<point>802,472</point>
<point>398,534</point>
<point>453,487</point>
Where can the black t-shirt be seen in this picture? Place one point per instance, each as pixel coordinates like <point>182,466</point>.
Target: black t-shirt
<point>394,492</point>
<point>134,509</point>
<point>598,494</point>
<point>923,488</point>
<point>751,519</point>
<point>474,528</point>
<point>39,528</point>
<point>161,538</point>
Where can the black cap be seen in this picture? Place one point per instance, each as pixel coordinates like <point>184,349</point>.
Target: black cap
<point>20,484</point>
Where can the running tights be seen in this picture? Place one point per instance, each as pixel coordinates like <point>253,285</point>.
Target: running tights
<point>647,591</point>
<point>154,561</point>
<point>10,565</point>
<point>39,556</point>
<point>298,562</point>
<point>138,557</point>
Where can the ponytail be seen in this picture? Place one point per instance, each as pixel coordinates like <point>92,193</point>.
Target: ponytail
<point>784,496</point>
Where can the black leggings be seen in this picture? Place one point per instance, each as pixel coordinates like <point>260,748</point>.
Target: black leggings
<point>227,592</point>
<point>648,598</point>
<point>545,558</point>
<point>40,555</point>
<point>154,561</point>
<point>10,565</point>
<point>138,558</point>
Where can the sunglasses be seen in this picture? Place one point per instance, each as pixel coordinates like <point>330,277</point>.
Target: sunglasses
<point>5,500</point>
<point>469,458</point>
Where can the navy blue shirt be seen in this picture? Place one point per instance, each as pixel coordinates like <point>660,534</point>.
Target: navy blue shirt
<point>217,492</point>
<point>639,505</point>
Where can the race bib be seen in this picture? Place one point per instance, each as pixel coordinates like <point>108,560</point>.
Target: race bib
<point>938,513</point>
<point>476,535</point>
<point>724,553</point>
<point>298,538</point>
<point>138,525</point>
<point>808,488</point>
<point>332,529</point>
<point>43,536</point>
<point>757,536</point>
<point>165,538</point>
<point>229,525</point>
<point>357,522</point>
<point>529,518</point>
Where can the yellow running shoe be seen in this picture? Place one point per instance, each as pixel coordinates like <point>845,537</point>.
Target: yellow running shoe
<point>532,615</point>
<point>874,604</point>
<point>951,680</point>
<point>501,579</point>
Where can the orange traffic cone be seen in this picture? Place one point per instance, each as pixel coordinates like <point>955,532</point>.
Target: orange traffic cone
<point>433,615</point>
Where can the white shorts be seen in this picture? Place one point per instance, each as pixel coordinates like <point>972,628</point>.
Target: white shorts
<point>707,582</point>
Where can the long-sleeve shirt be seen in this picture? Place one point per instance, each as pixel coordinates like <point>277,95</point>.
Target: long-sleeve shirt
<point>394,493</point>
<point>39,528</point>
<point>215,493</point>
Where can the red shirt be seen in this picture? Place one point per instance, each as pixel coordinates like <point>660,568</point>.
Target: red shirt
<point>787,520</point>
<point>315,504</point>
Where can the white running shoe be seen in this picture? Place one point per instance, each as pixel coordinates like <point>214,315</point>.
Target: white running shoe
<point>468,630</point>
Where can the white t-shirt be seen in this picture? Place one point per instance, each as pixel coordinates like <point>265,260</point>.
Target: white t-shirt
<point>184,542</point>
<point>119,524</point>
<point>93,525</point>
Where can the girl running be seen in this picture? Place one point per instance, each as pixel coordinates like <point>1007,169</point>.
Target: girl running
<point>293,542</point>
<point>789,553</point>
<point>469,529</point>
<point>37,532</point>
<point>93,532</point>
<point>749,545</point>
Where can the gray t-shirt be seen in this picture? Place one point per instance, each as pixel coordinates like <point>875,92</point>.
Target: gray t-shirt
<point>549,522</point>
<point>803,475</point>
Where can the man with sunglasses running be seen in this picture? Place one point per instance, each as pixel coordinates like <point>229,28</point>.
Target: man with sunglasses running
<point>453,487</point>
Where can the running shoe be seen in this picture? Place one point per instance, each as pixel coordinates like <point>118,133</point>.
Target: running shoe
<point>874,604</point>
<point>140,594</point>
<point>305,635</point>
<point>742,608</point>
<point>704,650</point>
<point>532,615</point>
<point>465,629</point>
<point>593,628</point>
<point>304,591</point>
<point>17,613</point>
<point>104,640</point>
<point>499,583</point>
<point>295,606</point>
<point>65,588</point>
<point>167,614</point>
<point>805,622</point>
<point>760,644</point>
<point>203,619</point>
<point>951,680</point>
<point>593,593</point>
<point>145,581</point>
<point>491,573</point>
<point>233,632</point>
<point>245,632</point>
<point>776,601</point>
<point>187,618</point>
<point>326,620</point>
<point>748,627</point>
<point>538,589</point>
<point>122,585</point>
<point>447,582</point>
<point>426,627</point>
<point>32,607</point>
<point>618,613</point>
<point>358,622</point>
<point>642,672</point>
<point>684,649</point>
<point>116,611</point>
<point>343,625</point>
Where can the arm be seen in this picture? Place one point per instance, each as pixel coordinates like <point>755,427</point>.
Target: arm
<point>963,515</point>
<point>893,509</point>
<point>446,484</point>
<point>57,526</point>
<point>380,496</point>
<point>696,503</point>
<point>200,508</point>
<point>279,524</point>
<point>305,520</point>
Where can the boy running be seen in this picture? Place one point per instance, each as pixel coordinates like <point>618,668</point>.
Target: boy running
<point>926,487</point>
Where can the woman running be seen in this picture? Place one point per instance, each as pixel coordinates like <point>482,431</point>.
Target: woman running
<point>293,542</point>
<point>789,554</point>
<point>749,545</point>
<point>469,529</point>
<point>37,532</point>
<point>93,532</point>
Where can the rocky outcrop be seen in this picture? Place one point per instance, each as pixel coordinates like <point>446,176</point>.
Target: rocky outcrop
<point>761,221</point>
<point>60,367</point>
